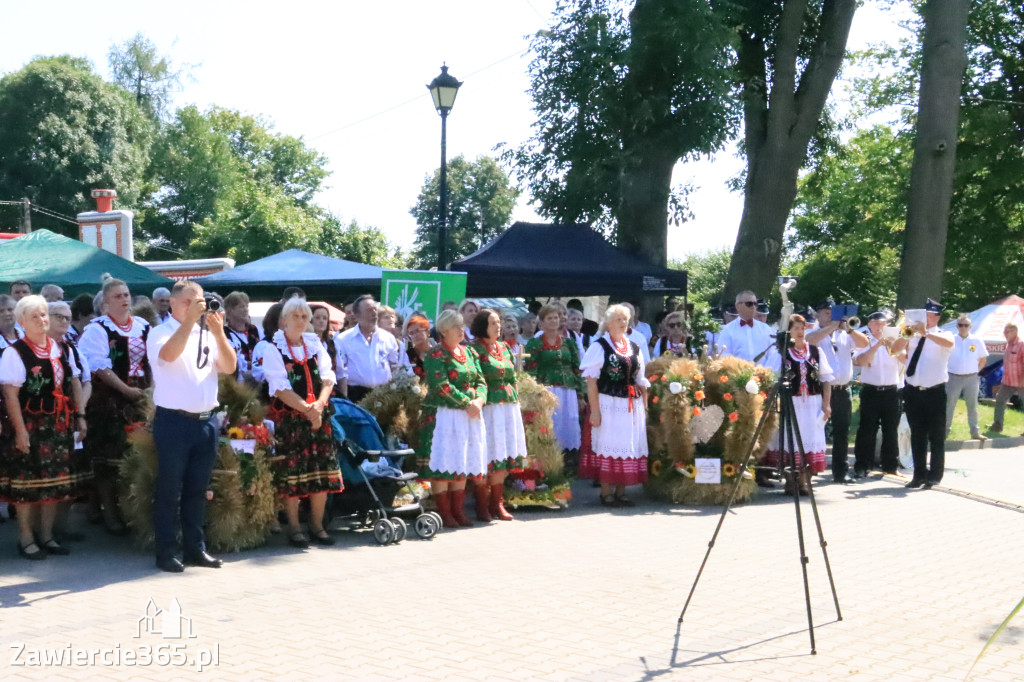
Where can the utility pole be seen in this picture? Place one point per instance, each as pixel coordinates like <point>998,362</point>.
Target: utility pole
<point>26,215</point>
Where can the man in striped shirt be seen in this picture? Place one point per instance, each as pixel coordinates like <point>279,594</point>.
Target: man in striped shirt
<point>1013,374</point>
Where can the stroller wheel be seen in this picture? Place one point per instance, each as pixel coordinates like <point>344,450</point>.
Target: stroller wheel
<point>383,532</point>
<point>426,526</point>
<point>437,517</point>
<point>400,529</point>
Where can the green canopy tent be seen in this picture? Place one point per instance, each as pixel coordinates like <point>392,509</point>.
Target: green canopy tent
<point>43,257</point>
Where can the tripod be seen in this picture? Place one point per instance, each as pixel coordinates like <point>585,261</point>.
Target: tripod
<point>781,394</point>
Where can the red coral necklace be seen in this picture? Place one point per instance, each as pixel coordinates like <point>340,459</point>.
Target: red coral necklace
<point>622,348</point>
<point>459,353</point>
<point>125,328</point>
<point>551,346</point>
<point>40,351</point>
<point>495,351</point>
<point>310,398</point>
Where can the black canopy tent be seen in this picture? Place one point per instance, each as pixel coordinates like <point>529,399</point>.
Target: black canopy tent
<point>319,276</point>
<point>539,259</point>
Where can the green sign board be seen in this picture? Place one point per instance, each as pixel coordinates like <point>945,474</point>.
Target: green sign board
<point>408,291</point>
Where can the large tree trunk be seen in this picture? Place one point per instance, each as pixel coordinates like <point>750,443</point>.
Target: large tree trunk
<point>778,126</point>
<point>931,180</point>
<point>644,185</point>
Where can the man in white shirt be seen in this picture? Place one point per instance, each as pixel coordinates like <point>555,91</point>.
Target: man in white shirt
<point>968,358</point>
<point>837,345</point>
<point>162,304</point>
<point>642,328</point>
<point>746,337</point>
<point>879,399</point>
<point>185,370</point>
<point>366,354</point>
<point>924,397</point>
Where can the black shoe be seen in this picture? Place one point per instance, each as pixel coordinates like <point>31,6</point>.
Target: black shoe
<point>322,538</point>
<point>203,560</point>
<point>170,564</point>
<point>298,540</point>
<point>31,551</point>
<point>915,483</point>
<point>842,480</point>
<point>859,474</point>
<point>55,548</point>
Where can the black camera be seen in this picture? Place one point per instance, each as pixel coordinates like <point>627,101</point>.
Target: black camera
<point>213,304</point>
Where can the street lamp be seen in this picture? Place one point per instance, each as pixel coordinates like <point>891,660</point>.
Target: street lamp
<point>443,90</point>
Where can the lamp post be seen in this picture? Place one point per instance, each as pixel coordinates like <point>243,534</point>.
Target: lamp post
<point>443,90</point>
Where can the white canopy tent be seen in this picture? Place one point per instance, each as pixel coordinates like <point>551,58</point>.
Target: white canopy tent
<point>988,322</point>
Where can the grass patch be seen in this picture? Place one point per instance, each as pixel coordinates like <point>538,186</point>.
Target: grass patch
<point>1013,421</point>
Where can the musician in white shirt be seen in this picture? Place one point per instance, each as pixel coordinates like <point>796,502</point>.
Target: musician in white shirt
<point>879,399</point>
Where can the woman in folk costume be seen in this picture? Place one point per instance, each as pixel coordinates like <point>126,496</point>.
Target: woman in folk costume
<point>809,375</point>
<point>114,346</point>
<point>41,412</point>
<point>299,381</point>
<point>503,418</point>
<point>617,393</point>
<point>453,438</point>
<point>554,360</point>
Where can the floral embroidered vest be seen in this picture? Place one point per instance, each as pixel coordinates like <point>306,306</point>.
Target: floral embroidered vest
<point>618,373</point>
<point>120,355</point>
<point>37,393</point>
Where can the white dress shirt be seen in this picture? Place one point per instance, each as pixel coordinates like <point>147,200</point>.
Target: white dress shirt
<point>933,365</point>
<point>746,342</point>
<point>12,369</point>
<point>274,371</point>
<point>884,369</point>
<point>365,363</point>
<point>966,353</point>
<point>838,349</point>
<point>180,385</point>
<point>645,331</point>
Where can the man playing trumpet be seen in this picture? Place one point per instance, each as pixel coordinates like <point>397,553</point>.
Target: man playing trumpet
<point>879,397</point>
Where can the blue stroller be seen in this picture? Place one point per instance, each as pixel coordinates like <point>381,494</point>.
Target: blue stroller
<point>373,477</point>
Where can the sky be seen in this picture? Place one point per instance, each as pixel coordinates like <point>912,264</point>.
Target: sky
<point>349,78</point>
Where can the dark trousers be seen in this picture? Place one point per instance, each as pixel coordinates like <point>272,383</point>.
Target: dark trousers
<point>841,412</point>
<point>357,393</point>
<point>926,414</point>
<point>878,406</point>
<point>186,451</point>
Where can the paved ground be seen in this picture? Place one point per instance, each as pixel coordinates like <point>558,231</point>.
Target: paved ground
<point>923,579</point>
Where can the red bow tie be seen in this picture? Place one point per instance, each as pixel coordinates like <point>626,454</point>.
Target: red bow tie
<point>746,323</point>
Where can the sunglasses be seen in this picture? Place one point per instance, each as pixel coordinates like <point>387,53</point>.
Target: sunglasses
<point>749,304</point>
<point>963,325</point>
<point>675,325</point>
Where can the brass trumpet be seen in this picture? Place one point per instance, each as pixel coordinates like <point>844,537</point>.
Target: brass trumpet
<point>853,322</point>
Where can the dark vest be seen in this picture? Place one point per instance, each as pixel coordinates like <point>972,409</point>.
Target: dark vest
<point>297,379</point>
<point>618,373</point>
<point>791,369</point>
<point>122,363</point>
<point>37,366</point>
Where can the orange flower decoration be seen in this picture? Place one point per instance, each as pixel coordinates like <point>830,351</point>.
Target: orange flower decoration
<point>654,399</point>
<point>722,379</point>
<point>733,416</point>
<point>698,377</point>
<point>727,396</point>
<point>696,412</point>
<point>699,395</point>
<point>763,395</point>
<point>664,378</point>
<point>652,378</point>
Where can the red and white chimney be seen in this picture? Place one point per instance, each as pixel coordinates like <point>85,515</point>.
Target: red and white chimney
<point>106,228</point>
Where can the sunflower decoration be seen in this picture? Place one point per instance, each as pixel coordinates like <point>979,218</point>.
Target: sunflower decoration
<point>729,469</point>
<point>656,467</point>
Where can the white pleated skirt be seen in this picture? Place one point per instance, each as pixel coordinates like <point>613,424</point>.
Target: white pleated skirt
<point>460,443</point>
<point>566,418</point>
<point>506,437</point>
<point>622,433</point>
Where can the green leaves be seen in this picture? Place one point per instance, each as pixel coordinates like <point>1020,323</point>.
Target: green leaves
<point>480,203</point>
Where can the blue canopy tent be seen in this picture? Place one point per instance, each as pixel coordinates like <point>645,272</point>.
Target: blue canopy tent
<point>321,277</point>
<point>537,259</point>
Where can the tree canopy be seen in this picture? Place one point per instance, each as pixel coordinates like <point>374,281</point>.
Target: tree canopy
<point>480,204</point>
<point>64,131</point>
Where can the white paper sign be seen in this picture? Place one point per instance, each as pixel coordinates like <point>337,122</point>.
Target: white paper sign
<point>890,333</point>
<point>916,315</point>
<point>709,470</point>
<point>247,445</point>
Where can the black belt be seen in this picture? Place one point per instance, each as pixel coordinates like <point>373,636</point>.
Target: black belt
<point>927,388</point>
<point>889,387</point>
<point>198,416</point>
<point>841,387</point>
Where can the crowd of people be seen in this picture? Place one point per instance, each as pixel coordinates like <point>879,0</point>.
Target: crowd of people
<point>75,375</point>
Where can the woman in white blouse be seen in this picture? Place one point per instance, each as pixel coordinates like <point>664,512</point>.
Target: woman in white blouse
<point>299,380</point>
<point>42,410</point>
<point>613,367</point>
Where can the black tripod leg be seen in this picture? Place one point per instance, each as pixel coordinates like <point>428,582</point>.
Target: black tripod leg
<point>792,432</point>
<point>821,535</point>
<point>732,496</point>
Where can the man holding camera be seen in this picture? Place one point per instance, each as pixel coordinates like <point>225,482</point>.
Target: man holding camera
<point>185,373</point>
